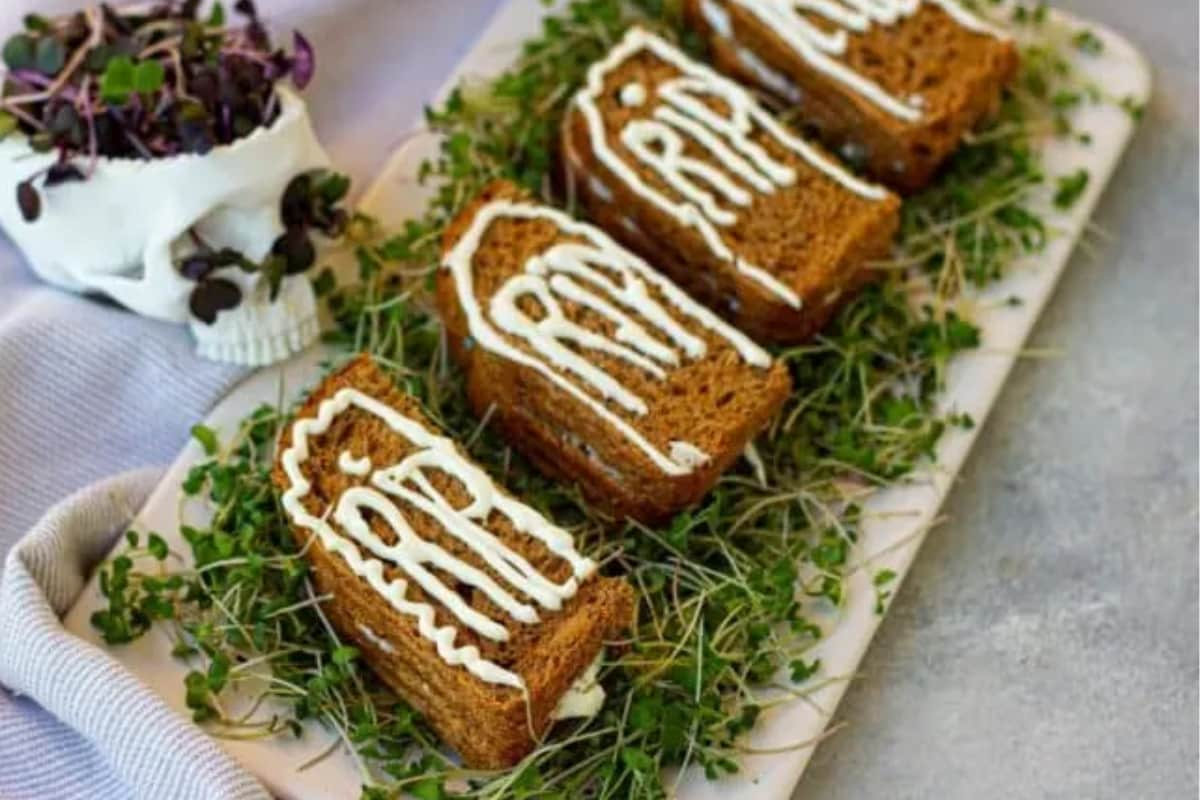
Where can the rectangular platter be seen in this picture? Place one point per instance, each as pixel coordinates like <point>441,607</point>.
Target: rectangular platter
<point>897,519</point>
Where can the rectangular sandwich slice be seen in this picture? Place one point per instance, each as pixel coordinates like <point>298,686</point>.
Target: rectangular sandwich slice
<point>893,85</point>
<point>472,606</point>
<point>593,365</point>
<point>686,168</point>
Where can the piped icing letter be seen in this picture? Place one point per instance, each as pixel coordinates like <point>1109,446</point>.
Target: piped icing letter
<point>708,159</point>
<point>344,530</point>
<point>649,323</point>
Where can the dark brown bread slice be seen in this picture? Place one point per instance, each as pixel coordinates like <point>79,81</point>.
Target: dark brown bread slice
<point>485,722</point>
<point>959,75</point>
<point>718,402</point>
<point>815,236</point>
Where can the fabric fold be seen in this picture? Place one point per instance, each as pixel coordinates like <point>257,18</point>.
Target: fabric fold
<point>149,750</point>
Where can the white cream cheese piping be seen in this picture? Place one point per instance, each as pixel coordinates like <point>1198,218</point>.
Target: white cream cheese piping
<point>407,481</point>
<point>773,80</point>
<point>658,143</point>
<point>585,697</point>
<point>612,282</point>
<point>375,639</point>
<point>821,49</point>
<point>350,465</point>
<point>687,453</point>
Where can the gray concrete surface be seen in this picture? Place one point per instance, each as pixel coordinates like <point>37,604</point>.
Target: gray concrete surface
<point>1045,644</point>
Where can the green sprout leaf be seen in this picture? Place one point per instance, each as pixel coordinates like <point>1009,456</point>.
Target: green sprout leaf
<point>36,23</point>
<point>116,83</point>
<point>1071,188</point>
<point>216,16</point>
<point>428,789</point>
<point>20,52</point>
<point>157,546</point>
<point>802,670</point>
<point>147,77</point>
<point>1088,42</point>
<point>207,438</point>
<point>8,124</point>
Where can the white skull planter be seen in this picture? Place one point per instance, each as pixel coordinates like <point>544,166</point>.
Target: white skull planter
<point>120,231</point>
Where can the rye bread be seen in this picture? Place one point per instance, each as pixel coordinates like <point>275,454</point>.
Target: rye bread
<point>486,723</point>
<point>718,401</point>
<point>814,236</point>
<point>954,75</point>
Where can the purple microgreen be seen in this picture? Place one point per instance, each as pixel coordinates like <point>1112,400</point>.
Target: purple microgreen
<point>114,20</point>
<point>194,137</point>
<point>296,204</point>
<point>212,296</point>
<point>50,56</point>
<point>336,225</point>
<point>35,23</point>
<point>332,187</point>
<point>19,53</point>
<point>228,257</point>
<point>28,200</point>
<point>65,125</point>
<point>296,249</point>
<point>304,62</point>
<point>138,145</point>
<point>310,202</point>
<point>145,81</point>
<point>196,267</point>
<point>273,268</point>
<point>62,172</point>
<point>30,78</point>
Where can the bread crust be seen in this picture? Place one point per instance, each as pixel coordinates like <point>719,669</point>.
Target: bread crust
<point>962,75</point>
<point>565,438</point>
<point>489,725</point>
<point>816,236</point>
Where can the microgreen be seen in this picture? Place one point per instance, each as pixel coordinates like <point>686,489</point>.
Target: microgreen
<point>882,581</point>
<point>149,81</point>
<point>206,437</point>
<point>1070,187</point>
<point>1088,42</point>
<point>733,594</point>
<point>311,203</point>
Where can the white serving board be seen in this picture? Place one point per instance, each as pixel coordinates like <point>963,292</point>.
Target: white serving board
<point>897,518</point>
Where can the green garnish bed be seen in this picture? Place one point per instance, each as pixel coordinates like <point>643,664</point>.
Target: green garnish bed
<point>756,606</point>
